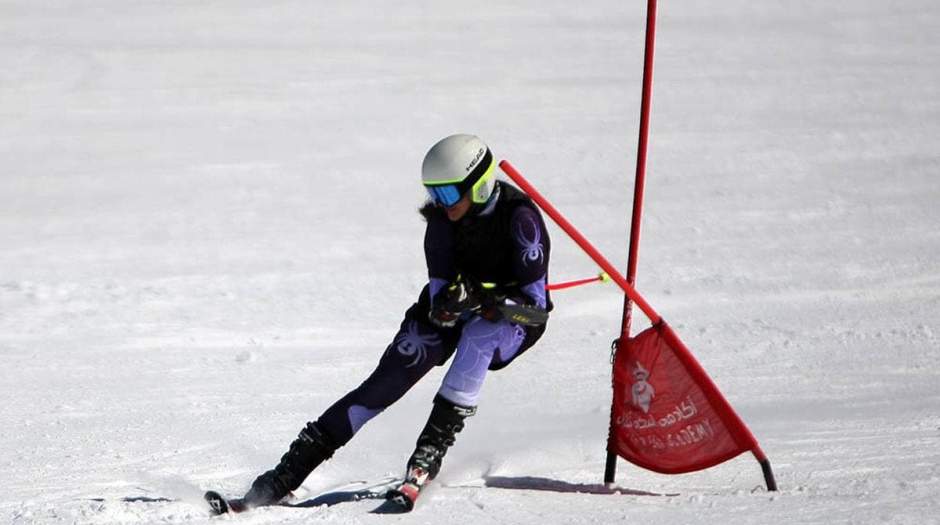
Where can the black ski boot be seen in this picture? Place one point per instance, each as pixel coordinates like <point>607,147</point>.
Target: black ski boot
<point>439,434</point>
<point>311,448</point>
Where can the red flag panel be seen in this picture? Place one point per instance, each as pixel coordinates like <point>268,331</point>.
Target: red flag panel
<point>668,416</point>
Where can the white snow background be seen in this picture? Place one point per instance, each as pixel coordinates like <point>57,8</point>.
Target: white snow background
<point>208,233</point>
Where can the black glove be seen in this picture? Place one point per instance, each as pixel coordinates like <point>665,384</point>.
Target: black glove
<point>451,302</point>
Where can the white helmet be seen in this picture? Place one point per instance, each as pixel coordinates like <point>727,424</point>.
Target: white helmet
<point>458,164</point>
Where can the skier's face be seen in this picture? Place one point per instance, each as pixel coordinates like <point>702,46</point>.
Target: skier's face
<point>457,211</point>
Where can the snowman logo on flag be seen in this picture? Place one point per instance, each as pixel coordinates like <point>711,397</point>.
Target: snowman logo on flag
<point>642,392</point>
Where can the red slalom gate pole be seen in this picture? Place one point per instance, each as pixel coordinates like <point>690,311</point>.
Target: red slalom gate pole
<point>581,241</point>
<point>610,470</point>
<point>642,144</point>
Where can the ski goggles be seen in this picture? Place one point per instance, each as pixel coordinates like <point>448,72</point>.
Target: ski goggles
<point>446,195</point>
<point>449,194</point>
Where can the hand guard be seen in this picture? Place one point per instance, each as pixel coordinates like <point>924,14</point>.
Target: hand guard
<point>450,303</point>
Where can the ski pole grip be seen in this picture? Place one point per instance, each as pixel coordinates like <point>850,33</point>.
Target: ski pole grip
<point>581,241</point>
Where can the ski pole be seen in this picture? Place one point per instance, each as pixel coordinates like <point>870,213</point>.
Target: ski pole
<point>601,277</point>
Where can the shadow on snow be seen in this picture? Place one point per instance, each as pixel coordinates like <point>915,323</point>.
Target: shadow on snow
<point>554,485</point>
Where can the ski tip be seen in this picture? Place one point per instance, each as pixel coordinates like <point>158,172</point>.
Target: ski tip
<point>219,504</point>
<point>398,501</point>
<point>393,505</point>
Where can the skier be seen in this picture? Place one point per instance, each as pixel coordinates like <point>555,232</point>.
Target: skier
<point>487,252</point>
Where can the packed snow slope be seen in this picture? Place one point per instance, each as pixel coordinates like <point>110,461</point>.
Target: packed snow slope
<point>209,232</point>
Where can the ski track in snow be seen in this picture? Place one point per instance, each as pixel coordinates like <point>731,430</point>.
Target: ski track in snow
<point>207,214</point>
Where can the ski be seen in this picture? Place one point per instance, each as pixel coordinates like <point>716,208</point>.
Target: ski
<point>346,493</point>
<point>352,492</point>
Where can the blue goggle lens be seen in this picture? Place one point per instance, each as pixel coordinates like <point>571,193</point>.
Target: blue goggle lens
<point>446,196</point>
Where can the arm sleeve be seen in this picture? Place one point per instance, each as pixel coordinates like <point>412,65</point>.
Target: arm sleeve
<point>439,242</point>
<point>531,249</point>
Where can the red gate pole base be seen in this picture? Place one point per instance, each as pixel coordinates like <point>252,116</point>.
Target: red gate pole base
<point>765,467</point>
<point>610,469</point>
<point>768,475</point>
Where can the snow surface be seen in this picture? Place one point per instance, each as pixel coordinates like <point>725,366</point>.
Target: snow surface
<point>208,231</point>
